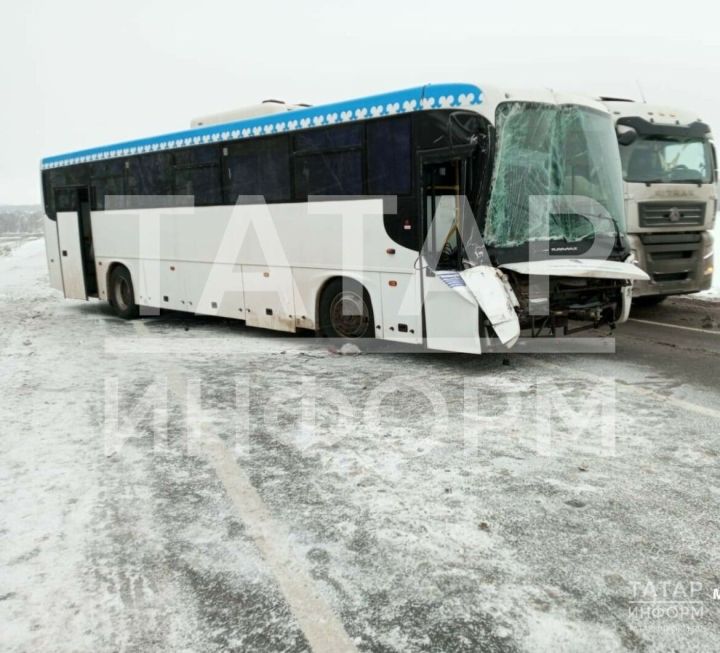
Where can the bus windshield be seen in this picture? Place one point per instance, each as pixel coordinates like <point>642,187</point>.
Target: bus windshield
<point>550,150</point>
<point>662,160</point>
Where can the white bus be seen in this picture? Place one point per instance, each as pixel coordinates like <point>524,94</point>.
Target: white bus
<point>670,177</point>
<point>353,219</point>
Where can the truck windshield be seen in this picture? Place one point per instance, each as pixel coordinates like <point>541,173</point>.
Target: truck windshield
<point>663,160</point>
<point>550,150</point>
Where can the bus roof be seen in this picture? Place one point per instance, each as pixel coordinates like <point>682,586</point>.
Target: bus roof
<point>430,96</point>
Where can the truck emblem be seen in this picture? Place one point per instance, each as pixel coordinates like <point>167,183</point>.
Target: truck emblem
<point>675,214</point>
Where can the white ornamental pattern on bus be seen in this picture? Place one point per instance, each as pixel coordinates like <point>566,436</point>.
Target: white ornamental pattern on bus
<point>440,96</point>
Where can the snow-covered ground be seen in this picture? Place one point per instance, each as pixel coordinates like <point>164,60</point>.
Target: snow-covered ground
<point>273,496</point>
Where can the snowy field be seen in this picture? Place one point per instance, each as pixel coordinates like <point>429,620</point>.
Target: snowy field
<point>186,484</point>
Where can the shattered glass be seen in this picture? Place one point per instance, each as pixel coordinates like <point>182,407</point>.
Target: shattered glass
<point>549,150</point>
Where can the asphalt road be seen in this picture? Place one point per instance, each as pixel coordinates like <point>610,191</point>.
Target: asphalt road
<point>186,484</point>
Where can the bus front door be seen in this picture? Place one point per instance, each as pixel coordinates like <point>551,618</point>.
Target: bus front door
<point>451,316</point>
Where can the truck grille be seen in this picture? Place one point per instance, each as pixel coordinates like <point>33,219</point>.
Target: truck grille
<point>672,257</point>
<point>676,214</point>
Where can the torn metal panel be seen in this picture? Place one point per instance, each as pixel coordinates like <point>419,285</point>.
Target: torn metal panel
<point>496,300</point>
<point>579,267</point>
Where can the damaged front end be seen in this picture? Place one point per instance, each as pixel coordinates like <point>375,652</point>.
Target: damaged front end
<point>563,305</point>
<point>554,222</point>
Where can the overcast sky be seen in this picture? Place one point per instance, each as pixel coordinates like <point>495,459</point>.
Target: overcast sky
<point>86,73</point>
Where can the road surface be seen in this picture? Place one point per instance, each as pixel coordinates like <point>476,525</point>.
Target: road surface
<point>187,484</point>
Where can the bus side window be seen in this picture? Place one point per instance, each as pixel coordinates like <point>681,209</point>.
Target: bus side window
<point>338,137</point>
<point>258,167</point>
<point>197,172</point>
<point>389,156</point>
<point>47,195</point>
<point>61,196</point>
<point>150,174</point>
<point>107,178</point>
<point>336,173</point>
<point>328,161</point>
<point>66,199</point>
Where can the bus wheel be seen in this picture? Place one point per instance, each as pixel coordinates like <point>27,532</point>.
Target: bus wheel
<point>346,311</point>
<point>121,294</point>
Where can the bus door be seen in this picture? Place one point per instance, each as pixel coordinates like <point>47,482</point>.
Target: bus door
<point>77,260</point>
<point>451,316</point>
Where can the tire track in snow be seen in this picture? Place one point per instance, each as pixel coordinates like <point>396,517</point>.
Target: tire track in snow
<point>320,625</point>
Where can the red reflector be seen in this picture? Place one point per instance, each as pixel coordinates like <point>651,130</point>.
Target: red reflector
<point>392,284</point>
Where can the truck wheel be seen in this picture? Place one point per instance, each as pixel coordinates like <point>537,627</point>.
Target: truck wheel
<point>346,311</point>
<point>121,294</point>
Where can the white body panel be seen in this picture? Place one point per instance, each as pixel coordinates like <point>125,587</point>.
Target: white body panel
<point>68,226</point>
<point>260,263</point>
<point>268,265</point>
<point>579,267</point>
<point>52,251</point>
<point>451,318</point>
<point>401,306</point>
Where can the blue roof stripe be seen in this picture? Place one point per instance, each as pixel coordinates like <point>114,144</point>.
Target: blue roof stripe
<point>431,96</point>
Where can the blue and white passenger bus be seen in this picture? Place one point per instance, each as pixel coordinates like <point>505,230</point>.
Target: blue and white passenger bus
<point>351,219</point>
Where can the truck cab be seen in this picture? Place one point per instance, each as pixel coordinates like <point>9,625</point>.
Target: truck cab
<point>669,169</point>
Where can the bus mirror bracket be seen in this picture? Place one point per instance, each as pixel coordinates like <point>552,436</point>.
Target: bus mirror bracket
<point>626,135</point>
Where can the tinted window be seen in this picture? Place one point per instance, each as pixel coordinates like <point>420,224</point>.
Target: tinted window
<point>47,194</point>
<point>389,156</point>
<point>332,138</point>
<point>106,178</point>
<point>197,173</point>
<point>259,167</point>
<point>202,183</point>
<point>339,173</point>
<point>150,174</point>
<point>66,199</point>
<point>194,156</point>
<point>76,175</point>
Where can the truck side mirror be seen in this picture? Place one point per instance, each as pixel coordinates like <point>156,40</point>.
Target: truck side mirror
<point>626,135</point>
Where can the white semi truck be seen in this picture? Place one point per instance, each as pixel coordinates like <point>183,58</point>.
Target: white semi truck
<point>670,187</point>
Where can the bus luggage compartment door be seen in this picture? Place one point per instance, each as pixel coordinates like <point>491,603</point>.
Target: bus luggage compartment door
<point>269,297</point>
<point>71,257</point>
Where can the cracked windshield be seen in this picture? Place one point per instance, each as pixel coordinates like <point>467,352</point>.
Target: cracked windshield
<point>547,150</point>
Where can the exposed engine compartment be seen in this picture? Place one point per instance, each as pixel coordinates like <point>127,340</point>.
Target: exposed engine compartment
<point>550,303</point>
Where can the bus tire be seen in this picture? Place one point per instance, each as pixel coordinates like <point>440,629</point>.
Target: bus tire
<point>346,310</point>
<point>121,294</point>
